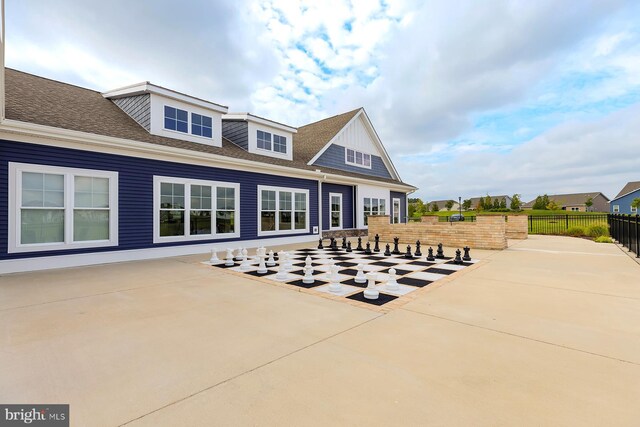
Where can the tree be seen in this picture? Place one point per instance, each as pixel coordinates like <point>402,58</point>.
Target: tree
<point>503,203</point>
<point>541,202</point>
<point>434,207</point>
<point>515,202</point>
<point>416,208</point>
<point>496,203</point>
<point>449,204</point>
<point>414,200</point>
<point>553,206</point>
<point>636,203</point>
<point>466,205</point>
<point>588,203</point>
<point>488,202</point>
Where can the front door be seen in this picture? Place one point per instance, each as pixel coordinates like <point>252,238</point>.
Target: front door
<point>335,213</point>
<point>396,211</point>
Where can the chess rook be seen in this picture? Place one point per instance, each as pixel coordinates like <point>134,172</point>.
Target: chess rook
<point>466,256</point>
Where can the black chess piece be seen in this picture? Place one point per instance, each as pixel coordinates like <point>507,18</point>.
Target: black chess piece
<point>376,247</point>
<point>396,250</point>
<point>320,243</point>
<point>440,252</point>
<point>430,256</point>
<point>408,253</point>
<point>349,247</point>
<point>367,251</point>
<point>334,244</point>
<point>466,256</point>
<point>457,259</point>
<point>418,252</point>
<point>387,251</point>
<point>359,247</point>
<point>344,242</point>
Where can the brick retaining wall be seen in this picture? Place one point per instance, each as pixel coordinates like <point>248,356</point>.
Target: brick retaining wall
<point>517,227</point>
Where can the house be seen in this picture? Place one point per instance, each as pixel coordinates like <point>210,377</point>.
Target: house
<point>442,205</point>
<point>576,202</point>
<point>475,201</point>
<point>145,171</point>
<point>622,202</point>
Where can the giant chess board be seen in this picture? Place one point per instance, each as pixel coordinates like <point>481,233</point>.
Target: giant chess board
<point>411,274</point>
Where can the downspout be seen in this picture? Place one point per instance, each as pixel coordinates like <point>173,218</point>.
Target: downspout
<point>320,181</point>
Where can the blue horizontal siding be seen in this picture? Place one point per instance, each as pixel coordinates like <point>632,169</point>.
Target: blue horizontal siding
<point>347,204</point>
<point>334,157</point>
<point>403,205</point>
<point>135,200</point>
<point>625,203</point>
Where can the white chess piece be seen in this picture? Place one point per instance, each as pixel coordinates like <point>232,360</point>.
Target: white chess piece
<point>371,292</point>
<point>308,275</point>
<point>262,267</point>
<point>335,287</point>
<point>288,264</point>
<point>271,262</point>
<point>282,273</point>
<point>246,265</point>
<point>214,257</point>
<point>360,277</point>
<point>229,258</point>
<point>392,283</point>
<point>238,256</point>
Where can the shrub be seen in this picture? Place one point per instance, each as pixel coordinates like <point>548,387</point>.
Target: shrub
<point>603,239</point>
<point>575,231</point>
<point>597,230</point>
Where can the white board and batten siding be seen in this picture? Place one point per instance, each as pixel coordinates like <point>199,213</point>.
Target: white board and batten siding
<point>358,137</point>
<point>370,191</point>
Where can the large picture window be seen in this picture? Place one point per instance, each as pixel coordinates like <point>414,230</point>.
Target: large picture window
<point>283,210</point>
<point>61,208</point>
<point>187,209</point>
<point>373,206</point>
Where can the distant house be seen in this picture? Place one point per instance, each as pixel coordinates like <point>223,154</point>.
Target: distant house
<point>577,202</point>
<point>622,202</point>
<point>476,200</point>
<point>442,205</point>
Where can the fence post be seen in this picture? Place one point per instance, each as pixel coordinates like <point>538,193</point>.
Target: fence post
<point>567,221</point>
<point>637,236</point>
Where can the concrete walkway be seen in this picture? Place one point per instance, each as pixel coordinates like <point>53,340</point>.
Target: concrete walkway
<point>544,333</point>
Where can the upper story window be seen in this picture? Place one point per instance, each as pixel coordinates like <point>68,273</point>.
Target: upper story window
<point>278,144</point>
<point>358,158</point>
<point>201,125</point>
<point>178,120</point>
<point>616,208</point>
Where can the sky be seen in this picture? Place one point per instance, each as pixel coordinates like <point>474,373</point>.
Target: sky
<point>487,97</point>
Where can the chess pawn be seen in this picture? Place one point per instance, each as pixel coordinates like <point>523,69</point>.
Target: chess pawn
<point>344,242</point>
<point>246,265</point>
<point>262,255</point>
<point>349,247</point>
<point>320,243</point>
<point>371,292</point>
<point>282,272</point>
<point>376,247</point>
<point>334,244</point>
<point>214,257</point>
<point>367,251</point>
<point>457,259</point>
<point>387,250</point>
<point>440,252</point>
<point>430,256</point>
<point>360,277</point>
<point>408,253</point>
<point>229,262</point>
<point>396,249</point>
<point>308,275</point>
<point>288,263</point>
<point>271,262</point>
<point>238,256</point>
<point>335,286</point>
<point>392,283</point>
<point>359,247</point>
<point>418,252</point>
<point>466,256</point>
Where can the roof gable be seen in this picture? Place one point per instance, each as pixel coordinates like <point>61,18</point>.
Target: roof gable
<point>629,188</point>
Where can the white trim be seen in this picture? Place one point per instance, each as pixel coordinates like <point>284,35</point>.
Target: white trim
<point>355,163</point>
<point>623,195</point>
<point>339,227</point>
<point>633,209</point>
<point>393,213</point>
<point>259,120</point>
<point>190,113</point>
<point>293,230</point>
<point>79,260</point>
<point>187,182</point>
<point>18,131</point>
<point>15,207</point>
<point>616,208</point>
<point>146,87</point>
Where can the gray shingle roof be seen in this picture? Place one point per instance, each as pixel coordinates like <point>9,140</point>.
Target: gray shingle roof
<point>39,100</point>
<point>631,186</point>
<point>574,199</point>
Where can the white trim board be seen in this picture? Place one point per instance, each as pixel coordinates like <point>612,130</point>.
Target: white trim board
<point>95,258</point>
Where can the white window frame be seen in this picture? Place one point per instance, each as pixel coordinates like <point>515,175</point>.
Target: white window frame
<point>616,208</point>
<point>634,209</point>
<point>272,139</point>
<point>393,210</point>
<point>187,182</point>
<point>354,163</point>
<point>189,122</point>
<point>331,195</point>
<point>575,209</point>
<point>277,211</point>
<point>15,207</point>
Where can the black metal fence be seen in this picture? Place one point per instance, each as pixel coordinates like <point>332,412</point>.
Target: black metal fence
<point>625,229</point>
<point>467,218</point>
<point>558,224</point>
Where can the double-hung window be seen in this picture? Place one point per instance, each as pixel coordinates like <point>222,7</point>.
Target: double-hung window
<point>201,125</point>
<point>283,210</point>
<point>271,142</point>
<point>264,140</point>
<point>279,144</point>
<point>187,209</point>
<point>373,206</point>
<point>176,119</point>
<point>61,208</point>
<point>358,158</point>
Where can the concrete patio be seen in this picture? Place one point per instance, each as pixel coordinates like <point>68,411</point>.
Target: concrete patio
<point>546,332</point>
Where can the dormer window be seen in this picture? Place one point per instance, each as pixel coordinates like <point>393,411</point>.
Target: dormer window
<point>201,125</point>
<point>358,158</point>
<point>176,119</point>
<point>264,142</point>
